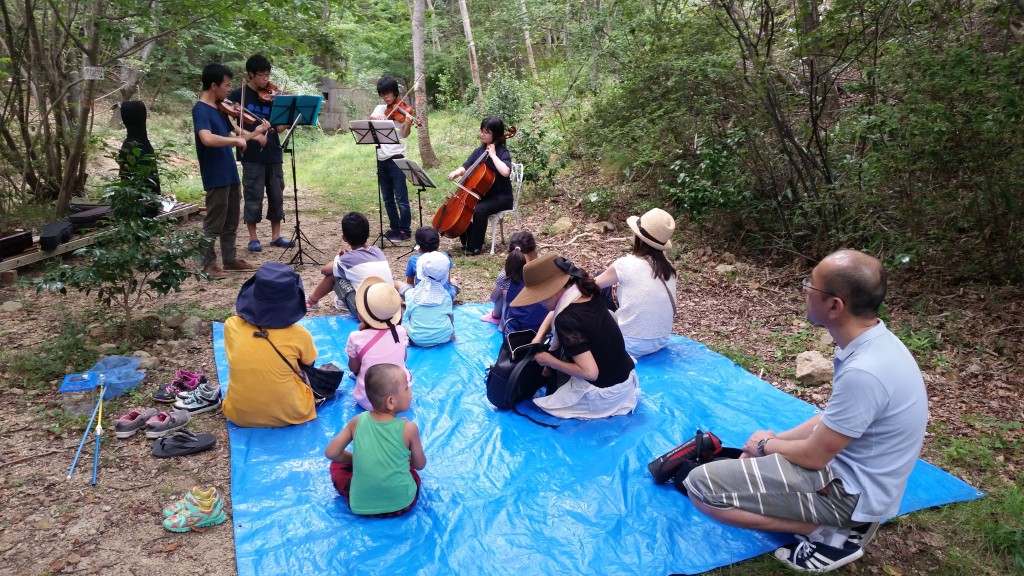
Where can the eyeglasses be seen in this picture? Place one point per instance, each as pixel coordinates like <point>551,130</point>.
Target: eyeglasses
<point>262,74</point>
<point>805,285</point>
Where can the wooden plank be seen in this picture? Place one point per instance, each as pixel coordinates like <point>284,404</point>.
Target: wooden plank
<point>181,211</point>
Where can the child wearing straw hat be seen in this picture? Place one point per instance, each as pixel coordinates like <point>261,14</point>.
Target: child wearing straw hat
<point>602,381</point>
<point>646,284</point>
<point>380,339</point>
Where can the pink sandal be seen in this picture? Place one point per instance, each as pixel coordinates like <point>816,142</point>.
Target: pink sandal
<point>488,318</point>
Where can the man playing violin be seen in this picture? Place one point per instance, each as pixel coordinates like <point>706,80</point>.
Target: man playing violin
<point>262,167</point>
<point>214,140</point>
<point>389,175</point>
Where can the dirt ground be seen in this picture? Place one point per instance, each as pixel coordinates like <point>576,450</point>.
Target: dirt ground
<point>50,525</point>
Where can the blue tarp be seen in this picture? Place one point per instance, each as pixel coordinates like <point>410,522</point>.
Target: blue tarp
<point>502,495</point>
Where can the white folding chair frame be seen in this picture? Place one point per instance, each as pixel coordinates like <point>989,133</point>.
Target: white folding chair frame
<point>498,220</point>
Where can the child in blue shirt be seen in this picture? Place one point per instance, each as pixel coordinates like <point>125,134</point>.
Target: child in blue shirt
<point>428,305</point>
<point>427,241</point>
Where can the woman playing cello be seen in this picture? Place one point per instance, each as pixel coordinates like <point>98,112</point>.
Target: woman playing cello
<point>499,197</point>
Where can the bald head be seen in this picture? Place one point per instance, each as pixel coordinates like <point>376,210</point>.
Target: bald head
<point>383,380</point>
<point>858,278</point>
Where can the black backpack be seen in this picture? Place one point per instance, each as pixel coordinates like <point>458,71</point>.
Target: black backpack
<point>515,376</point>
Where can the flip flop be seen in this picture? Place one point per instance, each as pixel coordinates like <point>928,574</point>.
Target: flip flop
<point>183,443</point>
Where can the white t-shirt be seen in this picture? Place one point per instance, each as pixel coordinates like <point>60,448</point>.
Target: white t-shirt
<point>645,310</point>
<point>388,150</point>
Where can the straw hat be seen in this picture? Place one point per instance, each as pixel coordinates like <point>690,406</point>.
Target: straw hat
<point>272,298</point>
<point>654,228</point>
<point>378,303</point>
<point>543,277</point>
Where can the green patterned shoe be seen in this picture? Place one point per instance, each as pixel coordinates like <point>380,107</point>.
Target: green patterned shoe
<point>191,516</point>
<point>197,496</point>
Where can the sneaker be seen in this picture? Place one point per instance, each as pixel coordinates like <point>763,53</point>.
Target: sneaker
<point>807,556</point>
<point>397,235</point>
<point>280,242</point>
<point>198,514</point>
<point>254,246</point>
<point>862,534</point>
<point>214,272</point>
<point>184,383</point>
<point>239,265</point>
<point>310,305</point>
<point>197,496</point>
<point>164,423</point>
<point>202,399</point>
<point>126,426</point>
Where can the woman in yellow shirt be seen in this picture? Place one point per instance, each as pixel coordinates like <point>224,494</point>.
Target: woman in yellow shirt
<point>263,391</point>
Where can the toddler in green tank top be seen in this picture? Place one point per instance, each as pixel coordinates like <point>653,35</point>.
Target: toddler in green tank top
<point>378,476</point>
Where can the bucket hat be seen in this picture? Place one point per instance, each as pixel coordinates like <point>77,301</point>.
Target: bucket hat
<point>654,228</point>
<point>272,298</point>
<point>543,277</point>
<point>432,269</point>
<point>379,304</point>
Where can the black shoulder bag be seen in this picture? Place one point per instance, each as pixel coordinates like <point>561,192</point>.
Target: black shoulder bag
<point>323,382</point>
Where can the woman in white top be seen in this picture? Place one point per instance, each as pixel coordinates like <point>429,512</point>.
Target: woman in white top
<point>646,284</point>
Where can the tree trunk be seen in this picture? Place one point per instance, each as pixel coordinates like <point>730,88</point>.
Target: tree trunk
<point>74,173</point>
<point>427,156</point>
<point>526,40</point>
<point>474,69</point>
<point>435,42</point>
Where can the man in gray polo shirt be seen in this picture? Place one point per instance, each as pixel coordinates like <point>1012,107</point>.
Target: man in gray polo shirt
<point>834,478</point>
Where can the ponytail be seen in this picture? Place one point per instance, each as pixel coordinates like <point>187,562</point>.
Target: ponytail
<point>519,245</point>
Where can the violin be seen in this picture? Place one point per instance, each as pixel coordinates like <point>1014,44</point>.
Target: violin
<point>455,215</point>
<point>267,93</point>
<point>398,111</point>
<point>234,110</point>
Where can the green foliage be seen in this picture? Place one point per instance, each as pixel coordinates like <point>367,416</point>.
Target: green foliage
<point>507,96</point>
<point>540,152</point>
<point>66,351</point>
<point>717,183</point>
<point>138,255</point>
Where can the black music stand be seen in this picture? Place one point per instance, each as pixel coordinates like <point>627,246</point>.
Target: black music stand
<point>418,178</point>
<point>296,111</point>
<point>376,132</point>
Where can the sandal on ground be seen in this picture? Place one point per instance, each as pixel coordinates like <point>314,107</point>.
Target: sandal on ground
<point>488,318</point>
<point>183,443</point>
<point>282,242</point>
<point>254,246</point>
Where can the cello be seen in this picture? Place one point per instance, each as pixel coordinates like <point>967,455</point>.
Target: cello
<point>455,215</point>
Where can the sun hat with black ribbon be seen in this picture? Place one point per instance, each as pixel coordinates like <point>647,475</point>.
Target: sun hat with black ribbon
<point>654,228</point>
<point>379,304</point>
<point>543,277</point>
<point>272,298</point>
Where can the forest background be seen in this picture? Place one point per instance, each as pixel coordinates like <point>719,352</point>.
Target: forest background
<point>778,130</point>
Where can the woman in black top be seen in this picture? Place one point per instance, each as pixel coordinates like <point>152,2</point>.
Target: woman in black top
<point>499,197</point>
<point>602,381</point>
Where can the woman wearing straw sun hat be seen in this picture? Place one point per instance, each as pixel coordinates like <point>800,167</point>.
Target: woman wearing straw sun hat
<point>263,390</point>
<point>380,339</point>
<point>646,284</point>
<point>602,381</point>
